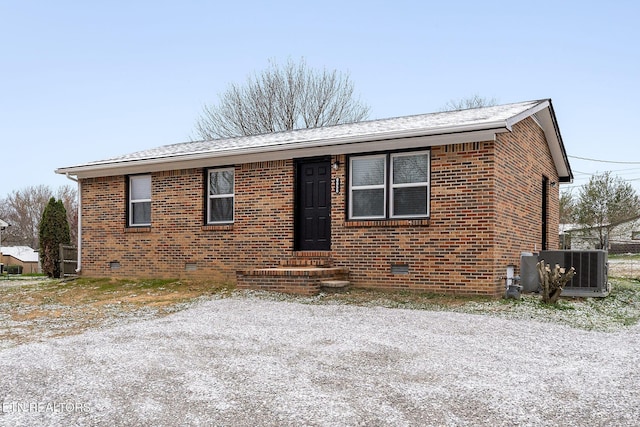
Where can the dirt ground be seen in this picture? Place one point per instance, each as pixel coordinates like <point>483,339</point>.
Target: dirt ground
<point>624,267</point>
<point>246,361</point>
<point>117,352</point>
<point>34,309</point>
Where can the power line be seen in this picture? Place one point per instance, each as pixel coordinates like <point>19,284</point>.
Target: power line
<point>604,161</point>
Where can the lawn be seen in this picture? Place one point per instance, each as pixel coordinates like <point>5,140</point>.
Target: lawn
<point>37,309</point>
<point>34,309</point>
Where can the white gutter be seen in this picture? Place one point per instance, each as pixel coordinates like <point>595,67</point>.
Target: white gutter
<point>79,242</point>
<point>339,145</point>
<point>312,142</point>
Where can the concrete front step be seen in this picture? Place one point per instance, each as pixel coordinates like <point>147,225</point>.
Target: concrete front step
<point>334,284</point>
<point>296,280</point>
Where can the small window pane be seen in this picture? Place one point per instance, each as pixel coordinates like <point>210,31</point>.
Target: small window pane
<point>221,182</point>
<point>368,203</point>
<point>141,213</point>
<point>407,169</point>
<point>368,171</point>
<point>410,201</point>
<point>221,209</point>
<point>141,187</point>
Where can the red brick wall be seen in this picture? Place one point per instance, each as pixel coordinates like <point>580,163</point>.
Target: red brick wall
<point>262,233</point>
<point>452,251</point>
<point>485,209</point>
<point>522,159</point>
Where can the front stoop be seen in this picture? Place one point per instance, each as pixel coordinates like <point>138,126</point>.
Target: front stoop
<point>304,274</point>
<point>334,285</point>
<point>309,259</point>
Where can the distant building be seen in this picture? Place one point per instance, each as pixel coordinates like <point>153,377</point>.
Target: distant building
<point>624,238</point>
<point>20,255</point>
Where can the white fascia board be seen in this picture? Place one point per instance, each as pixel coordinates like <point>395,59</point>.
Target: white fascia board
<point>548,124</point>
<point>259,154</point>
<point>285,146</point>
<point>556,146</point>
<point>529,112</point>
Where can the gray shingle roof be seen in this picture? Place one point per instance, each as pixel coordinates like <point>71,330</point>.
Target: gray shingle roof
<point>338,139</point>
<point>21,253</point>
<point>446,122</point>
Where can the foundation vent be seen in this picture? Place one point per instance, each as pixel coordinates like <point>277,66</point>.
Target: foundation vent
<point>399,268</point>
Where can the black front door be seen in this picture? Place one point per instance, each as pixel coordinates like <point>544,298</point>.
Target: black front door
<point>313,205</point>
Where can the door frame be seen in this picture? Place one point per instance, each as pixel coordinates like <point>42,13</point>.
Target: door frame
<point>545,212</point>
<point>297,199</point>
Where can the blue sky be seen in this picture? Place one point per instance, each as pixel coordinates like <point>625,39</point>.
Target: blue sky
<point>83,81</point>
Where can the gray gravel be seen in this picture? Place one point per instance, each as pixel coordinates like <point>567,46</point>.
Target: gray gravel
<point>246,361</point>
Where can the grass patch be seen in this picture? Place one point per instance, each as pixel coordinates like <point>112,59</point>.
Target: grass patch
<point>626,257</point>
<point>402,299</point>
<point>620,309</point>
<point>561,305</point>
<point>38,309</point>
<point>30,310</point>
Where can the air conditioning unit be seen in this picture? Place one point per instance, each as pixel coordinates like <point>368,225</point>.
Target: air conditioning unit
<point>591,279</point>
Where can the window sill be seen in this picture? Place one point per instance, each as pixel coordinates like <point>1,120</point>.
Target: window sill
<point>423,222</point>
<point>137,230</point>
<point>217,227</point>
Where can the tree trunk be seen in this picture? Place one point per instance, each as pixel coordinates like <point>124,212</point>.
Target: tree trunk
<point>553,281</point>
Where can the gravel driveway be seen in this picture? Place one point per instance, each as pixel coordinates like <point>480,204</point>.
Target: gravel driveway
<point>246,361</point>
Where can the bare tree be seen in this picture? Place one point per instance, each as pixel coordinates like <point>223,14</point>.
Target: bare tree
<point>567,207</point>
<point>475,101</point>
<point>282,98</point>
<point>69,196</point>
<point>604,203</point>
<point>22,209</point>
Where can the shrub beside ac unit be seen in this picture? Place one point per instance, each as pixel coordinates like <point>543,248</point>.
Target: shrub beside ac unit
<point>591,279</point>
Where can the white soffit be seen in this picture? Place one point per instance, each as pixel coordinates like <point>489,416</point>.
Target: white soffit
<point>260,154</point>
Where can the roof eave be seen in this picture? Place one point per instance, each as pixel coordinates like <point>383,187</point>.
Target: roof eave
<point>558,151</point>
<point>542,111</point>
<point>437,136</point>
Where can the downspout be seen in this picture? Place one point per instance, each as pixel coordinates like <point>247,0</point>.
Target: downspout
<point>79,242</point>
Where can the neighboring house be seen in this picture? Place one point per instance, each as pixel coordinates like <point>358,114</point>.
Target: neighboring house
<point>440,202</point>
<point>20,255</point>
<point>624,238</point>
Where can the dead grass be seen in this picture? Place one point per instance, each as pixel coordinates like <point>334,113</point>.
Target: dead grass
<point>34,310</point>
<point>410,299</point>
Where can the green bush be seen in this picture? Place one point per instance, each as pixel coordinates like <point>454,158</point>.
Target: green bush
<point>13,269</point>
<point>53,230</point>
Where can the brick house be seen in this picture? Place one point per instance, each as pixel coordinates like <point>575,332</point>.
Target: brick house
<point>440,202</point>
<point>22,256</point>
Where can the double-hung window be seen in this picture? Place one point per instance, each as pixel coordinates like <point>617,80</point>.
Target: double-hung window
<point>139,200</point>
<point>368,186</point>
<point>390,185</point>
<point>220,195</point>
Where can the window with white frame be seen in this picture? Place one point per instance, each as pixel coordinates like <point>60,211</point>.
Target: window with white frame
<point>139,200</point>
<point>220,194</point>
<point>368,186</point>
<point>390,185</point>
